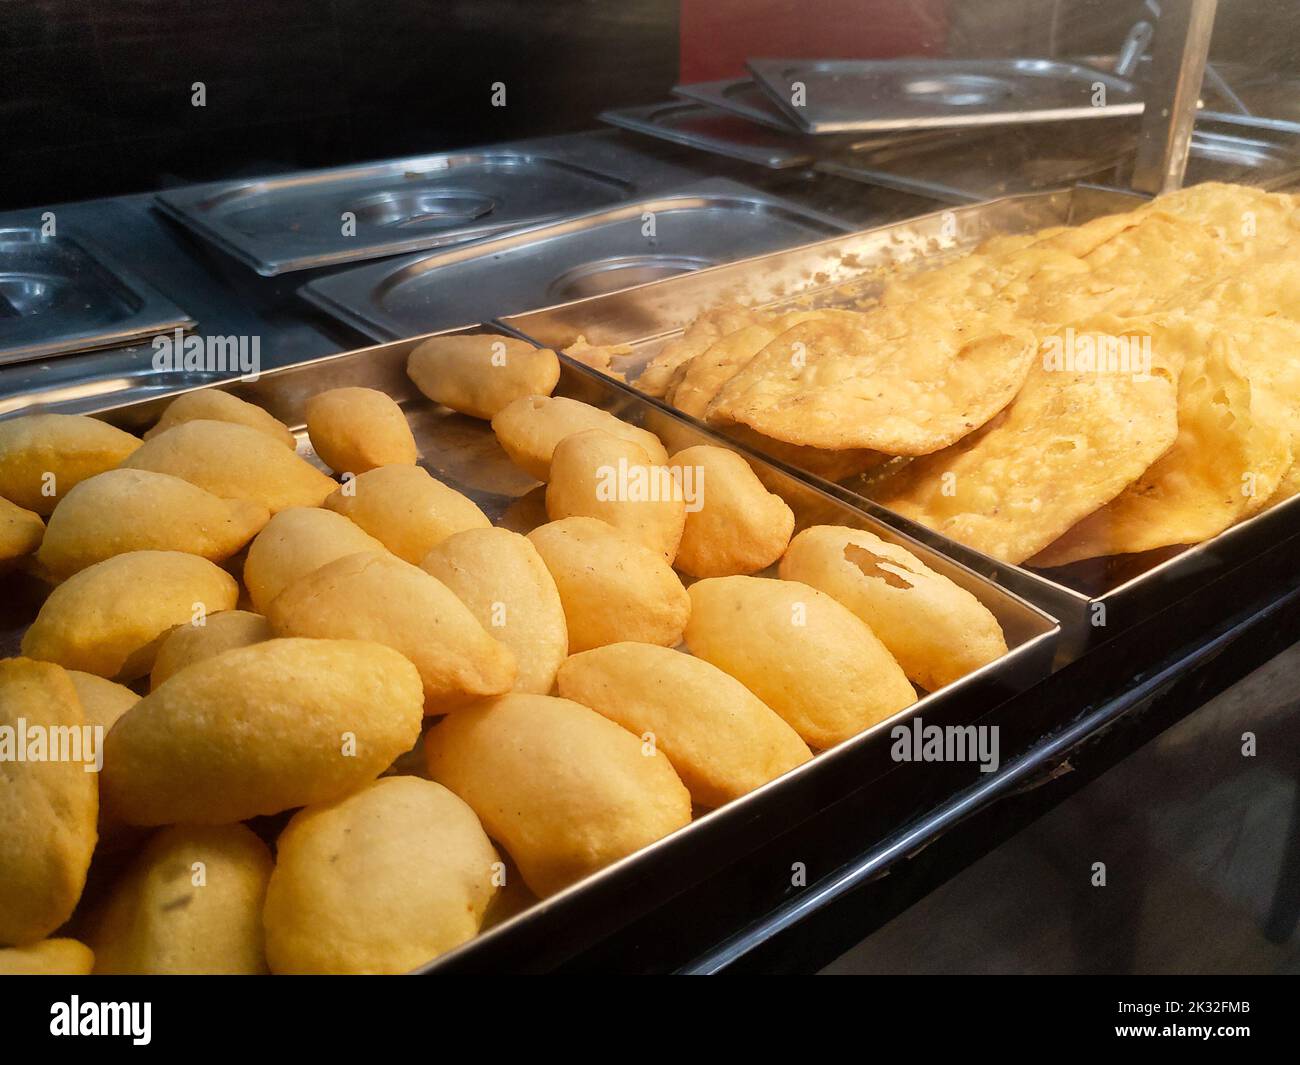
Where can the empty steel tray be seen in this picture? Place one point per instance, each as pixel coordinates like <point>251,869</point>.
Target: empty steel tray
<point>59,295</point>
<point>865,95</point>
<point>702,225</point>
<point>343,214</point>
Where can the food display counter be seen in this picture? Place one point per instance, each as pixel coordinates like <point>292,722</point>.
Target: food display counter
<point>677,548</point>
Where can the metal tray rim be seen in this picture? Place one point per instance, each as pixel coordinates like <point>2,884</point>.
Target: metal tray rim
<point>185,206</point>
<point>331,294</point>
<point>763,71</point>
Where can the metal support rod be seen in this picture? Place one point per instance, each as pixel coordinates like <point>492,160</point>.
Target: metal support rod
<point>1182,44</point>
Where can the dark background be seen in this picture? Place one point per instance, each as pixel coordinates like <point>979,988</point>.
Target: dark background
<point>95,94</point>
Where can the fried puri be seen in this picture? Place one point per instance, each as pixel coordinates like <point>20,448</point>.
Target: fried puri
<point>503,581</point>
<point>564,790</point>
<point>480,375</point>
<point>529,428</point>
<point>48,804</point>
<point>733,524</point>
<point>262,729</point>
<point>210,404</point>
<point>108,618</point>
<point>721,738</point>
<point>936,630</point>
<point>234,462</point>
<point>294,543</point>
<point>190,903</point>
<point>356,429</point>
<point>613,588</point>
<point>406,509</point>
<point>376,596</point>
<point>597,475</point>
<point>382,881</point>
<point>809,658</point>
<point>138,510</point>
<point>42,456</point>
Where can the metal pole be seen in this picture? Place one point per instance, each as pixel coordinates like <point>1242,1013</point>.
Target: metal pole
<point>1182,44</point>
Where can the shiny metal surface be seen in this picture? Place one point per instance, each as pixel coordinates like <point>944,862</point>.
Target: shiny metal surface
<point>1182,45</point>
<point>1093,599</point>
<point>741,97</point>
<point>704,224</point>
<point>60,295</point>
<point>843,95</point>
<point>464,453</point>
<point>300,221</point>
<point>979,165</point>
<point>697,126</point>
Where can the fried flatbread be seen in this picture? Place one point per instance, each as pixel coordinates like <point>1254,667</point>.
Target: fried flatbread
<point>1232,451</point>
<point>1071,442</point>
<point>913,379</point>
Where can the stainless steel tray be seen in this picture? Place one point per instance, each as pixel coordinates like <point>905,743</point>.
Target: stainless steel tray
<point>295,221</point>
<point>741,97</point>
<point>1094,600</point>
<point>697,126</point>
<point>463,452</point>
<point>857,95</point>
<point>972,166</point>
<point>60,295</point>
<point>701,225</point>
<point>1249,153</point>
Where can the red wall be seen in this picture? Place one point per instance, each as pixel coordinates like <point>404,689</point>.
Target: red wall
<point>719,35</point>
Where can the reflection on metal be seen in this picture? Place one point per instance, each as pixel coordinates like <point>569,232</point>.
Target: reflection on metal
<point>1177,67</point>
<point>602,251</point>
<point>59,295</point>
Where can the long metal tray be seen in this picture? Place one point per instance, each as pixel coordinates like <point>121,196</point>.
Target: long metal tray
<point>701,225</point>
<point>695,125</point>
<point>973,166</point>
<point>741,97</point>
<point>464,453</point>
<point>1094,600</point>
<point>59,295</point>
<point>868,95</point>
<point>298,221</point>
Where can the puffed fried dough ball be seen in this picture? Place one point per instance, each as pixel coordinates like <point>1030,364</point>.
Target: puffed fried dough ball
<point>356,429</point>
<point>190,903</point>
<point>529,428</point>
<point>565,791</point>
<point>294,543</point>
<point>187,644</point>
<point>234,462</point>
<point>596,475</point>
<point>42,456</point>
<point>733,524</point>
<point>262,729</point>
<point>720,737</point>
<point>500,576</point>
<point>810,659</point>
<point>138,510</point>
<point>409,511</point>
<point>936,630</point>
<point>48,804</point>
<point>480,374</point>
<point>612,587</point>
<point>21,531</point>
<point>211,404</point>
<point>376,596</point>
<point>109,618</point>
<point>382,881</point>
